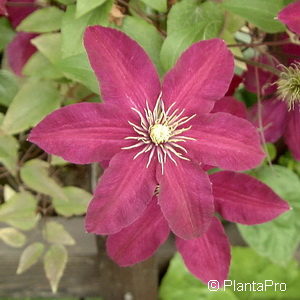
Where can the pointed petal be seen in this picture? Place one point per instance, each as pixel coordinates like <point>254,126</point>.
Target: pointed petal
<point>235,82</point>
<point>224,141</point>
<point>243,199</point>
<point>232,106</point>
<point>289,53</point>
<point>123,193</point>
<point>20,50</point>
<point>200,77</point>
<point>126,74</point>
<point>207,257</point>
<point>265,78</point>
<point>185,198</point>
<point>82,133</point>
<point>274,118</point>
<point>3,11</point>
<point>292,134</point>
<point>290,16</point>
<point>17,13</point>
<point>141,239</point>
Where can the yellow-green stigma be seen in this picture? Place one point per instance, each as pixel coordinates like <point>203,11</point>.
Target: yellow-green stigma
<point>289,85</point>
<point>160,133</point>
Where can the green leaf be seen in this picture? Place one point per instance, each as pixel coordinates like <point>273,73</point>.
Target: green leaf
<point>272,151</point>
<point>232,23</point>
<point>77,68</point>
<point>42,20</point>
<point>83,6</point>
<point>159,5</point>
<point>279,238</point>
<point>12,237</point>
<point>246,267</point>
<point>76,203</point>
<point>189,22</point>
<point>147,36</point>
<point>19,211</point>
<point>34,173</point>
<point>179,284</point>
<point>39,66</point>
<point>30,256</point>
<point>55,261</point>
<point>65,2</point>
<point>56,233</point>
<point>1,118</point>
<point>261,13</point>
<point>9,153</point>
<point>49,45</point>
<point>44,63</point>
<point>73,28</point>
<point>8,87</point>
<point>7,33</point>
<point>35,99</point>
<point>137,6</point>
<point>58,161</point>
<point>8,192</point>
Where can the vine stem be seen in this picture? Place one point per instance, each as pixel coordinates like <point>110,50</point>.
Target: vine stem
<point>259,112</point>
<point>143,16</point>
<point>253,45</point>
<point>258,65</point>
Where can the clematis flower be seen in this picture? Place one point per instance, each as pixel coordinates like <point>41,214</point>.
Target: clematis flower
<point>290,16</point>
<point>20,49</point>
<point>3,11</point>
<point>238,198</point>
<point>281,112</point>
<point>156,136</point>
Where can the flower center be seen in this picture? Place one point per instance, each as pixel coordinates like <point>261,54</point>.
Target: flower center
<point>160,133</point>
<point>289,85</point>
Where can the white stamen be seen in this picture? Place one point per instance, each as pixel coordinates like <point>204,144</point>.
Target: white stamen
<point>159,132</point>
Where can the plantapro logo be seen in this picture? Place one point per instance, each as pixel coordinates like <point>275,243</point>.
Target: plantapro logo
<point>264,286</point>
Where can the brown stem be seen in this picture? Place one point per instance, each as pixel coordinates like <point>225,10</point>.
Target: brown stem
<point>258,65</point>
<point>142,15</point>
<point>253,45</point>
<point>259,113</point>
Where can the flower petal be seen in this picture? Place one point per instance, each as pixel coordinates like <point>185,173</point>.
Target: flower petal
<point>274,118</point>
<point>265,78</point>
<point>3,11</point>
<point>123,193</point>
<point>224,141</point>
<point>200,77</point>
<point>18,12</point>
<point>289,52</point>
<point>82,133</point>
<point>235,82</point>
<point>185,198</point>
<point>139,240</point>
<point>232,106</point>
<point>126,74</point>
<point>20,50</point>
<point>243,199</point>
<point>207,257</point>
<point>290,16</point>
<point>292,134</point>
